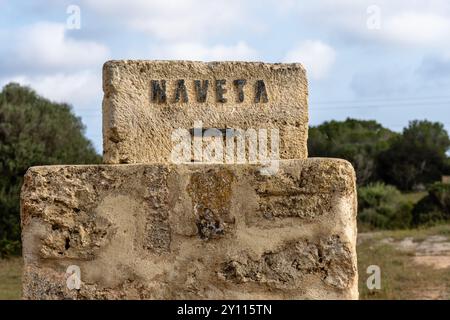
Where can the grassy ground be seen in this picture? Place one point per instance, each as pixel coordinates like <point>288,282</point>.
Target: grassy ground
<point>10,278</point>
<point>401,278</point>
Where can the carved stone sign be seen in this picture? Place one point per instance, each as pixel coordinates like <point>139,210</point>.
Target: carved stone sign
<point>201,87</point>
<point>177,230</point>
<point>145,101</point>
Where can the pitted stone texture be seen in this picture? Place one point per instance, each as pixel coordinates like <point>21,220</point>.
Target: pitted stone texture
<point>137,130</point>
<point>192,231</point>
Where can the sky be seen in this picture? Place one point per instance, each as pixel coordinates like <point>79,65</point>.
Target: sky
<point>383,60</point>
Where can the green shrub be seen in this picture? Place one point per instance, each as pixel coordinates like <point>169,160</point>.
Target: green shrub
<point>435,207</point>
<point>382,207</point>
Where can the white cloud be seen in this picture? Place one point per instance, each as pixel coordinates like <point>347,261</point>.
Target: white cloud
<point>198,51</point>
<point>402,22</point>
<point>80,89</point>
<point>316,56</point>
<point>184,20</point>
<point>60,68</point>
<point>417,29</point>
<point>45,46</point>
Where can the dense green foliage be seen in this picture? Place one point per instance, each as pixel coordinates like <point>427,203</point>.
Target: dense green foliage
<point>410,160</point>
<point>381,206</point>
<point>33,131</point>
<point>417,157</point>
<point>357,141</point>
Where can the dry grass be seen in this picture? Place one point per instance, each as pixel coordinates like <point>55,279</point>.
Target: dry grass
<point>11,278</point>
<point>401,278</point>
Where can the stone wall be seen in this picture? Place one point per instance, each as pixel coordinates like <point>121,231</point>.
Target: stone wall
<point>191,231</point>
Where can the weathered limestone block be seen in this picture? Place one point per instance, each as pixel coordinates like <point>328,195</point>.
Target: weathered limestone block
<point>144,101</point>
<point>163,231</point>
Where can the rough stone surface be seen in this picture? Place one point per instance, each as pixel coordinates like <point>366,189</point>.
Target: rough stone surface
<point>160,231</point>
<point>138,128</point>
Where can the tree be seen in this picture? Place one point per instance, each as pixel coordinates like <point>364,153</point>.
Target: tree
<point>417,157</point>
<point>33,131</point>
<point>357,141</point>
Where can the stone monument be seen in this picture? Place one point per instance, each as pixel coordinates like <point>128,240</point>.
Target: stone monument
<point>147,226</point>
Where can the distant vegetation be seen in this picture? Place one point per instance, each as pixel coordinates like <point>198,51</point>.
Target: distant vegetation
<point>358,141</point>
<point>33,131</point>
<point>390,165</point>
